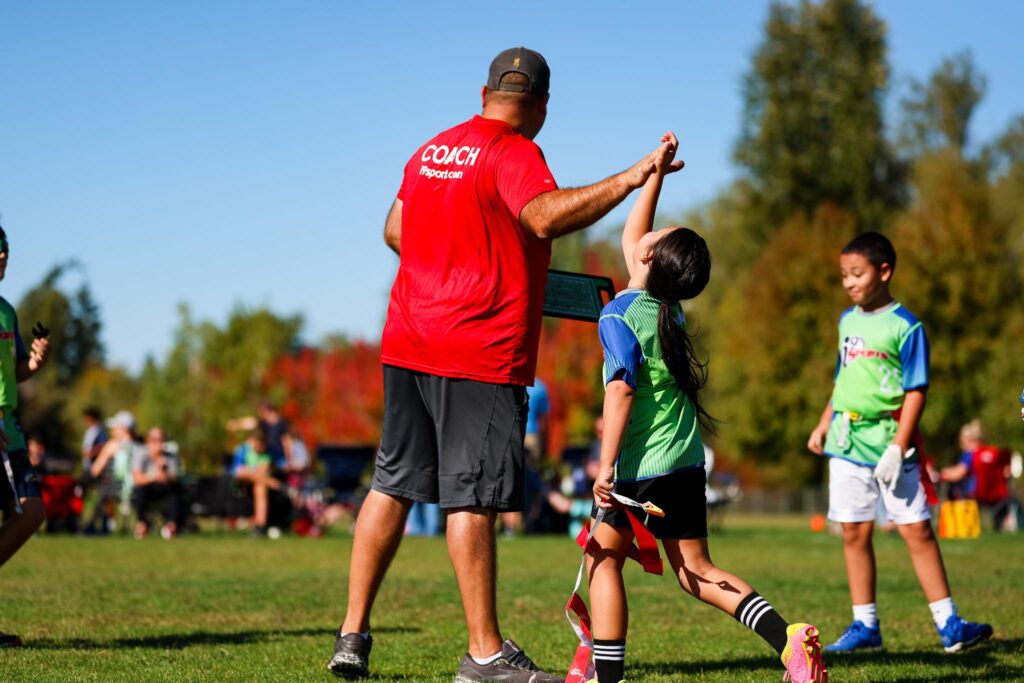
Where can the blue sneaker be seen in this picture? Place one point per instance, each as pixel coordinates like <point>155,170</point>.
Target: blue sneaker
<point>960,634</point>
<point>857,637</point>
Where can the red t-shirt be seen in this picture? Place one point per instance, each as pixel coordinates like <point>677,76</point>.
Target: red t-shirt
<point>989,464</point>
<point>468,298</point>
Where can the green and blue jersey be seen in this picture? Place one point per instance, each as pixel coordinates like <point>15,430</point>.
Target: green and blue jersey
<point>663,434</point>
<point>881,356</point>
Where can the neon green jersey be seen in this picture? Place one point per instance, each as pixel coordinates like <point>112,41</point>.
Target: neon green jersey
<point>663,434</point>
<point>882,355</point>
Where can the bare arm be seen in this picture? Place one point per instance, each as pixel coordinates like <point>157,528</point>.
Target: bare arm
<point>393,227</point>
<point>560,212</point>
<point>559,503</point>
<point>913,407</point>
<point>954,473</point>
<point>816,444</point>
<point>245,423</point>
<point>618,404</point>
<point>108,451</point>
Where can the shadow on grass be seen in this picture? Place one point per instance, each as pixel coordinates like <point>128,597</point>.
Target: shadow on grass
<point>965,663</point>
<point>177,641</point>
<point>693,668</point>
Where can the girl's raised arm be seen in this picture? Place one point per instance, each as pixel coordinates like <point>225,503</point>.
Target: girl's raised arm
<point>641,216</point>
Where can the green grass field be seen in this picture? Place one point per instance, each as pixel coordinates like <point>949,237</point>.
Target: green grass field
<point>229,608</point>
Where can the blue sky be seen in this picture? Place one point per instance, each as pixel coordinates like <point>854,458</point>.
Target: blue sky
<point>223,153</point>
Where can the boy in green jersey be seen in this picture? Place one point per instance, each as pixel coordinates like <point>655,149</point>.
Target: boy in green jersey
<point>881,380</point>
<point>20,498</point>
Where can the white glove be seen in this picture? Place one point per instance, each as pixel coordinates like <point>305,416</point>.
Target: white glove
<point>887,471</point>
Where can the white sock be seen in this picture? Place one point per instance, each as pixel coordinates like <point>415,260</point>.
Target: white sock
<point>866,614</point>
<point>487,660</point>
<point>942,610</point>
<point>365,634</point>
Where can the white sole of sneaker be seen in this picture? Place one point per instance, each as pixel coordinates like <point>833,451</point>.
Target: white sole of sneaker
<point>344,665</point>
<point>964,645</point>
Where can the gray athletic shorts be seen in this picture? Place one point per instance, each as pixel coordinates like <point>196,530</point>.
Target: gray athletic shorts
<point>456,442</point>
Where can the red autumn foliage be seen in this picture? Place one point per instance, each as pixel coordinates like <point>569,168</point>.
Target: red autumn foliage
<point>334,396</point>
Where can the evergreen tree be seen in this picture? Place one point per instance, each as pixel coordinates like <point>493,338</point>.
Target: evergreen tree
<point>936,114</point>
<point>813,119</point>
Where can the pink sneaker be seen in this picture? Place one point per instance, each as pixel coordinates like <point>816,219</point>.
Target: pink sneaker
<point>802,655</point>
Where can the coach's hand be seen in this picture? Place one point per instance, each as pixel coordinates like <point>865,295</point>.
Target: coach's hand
<point>603,486</point>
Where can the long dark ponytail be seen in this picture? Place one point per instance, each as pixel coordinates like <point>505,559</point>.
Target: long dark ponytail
<point>680,269</point>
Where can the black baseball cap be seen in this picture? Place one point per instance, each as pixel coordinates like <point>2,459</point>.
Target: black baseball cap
<point>524,61</point>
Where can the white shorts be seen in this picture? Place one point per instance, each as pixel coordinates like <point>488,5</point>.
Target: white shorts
<point>853,494</point>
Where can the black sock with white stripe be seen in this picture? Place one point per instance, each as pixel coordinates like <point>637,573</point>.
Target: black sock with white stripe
<point>610,660</point>
<point>760,617</point>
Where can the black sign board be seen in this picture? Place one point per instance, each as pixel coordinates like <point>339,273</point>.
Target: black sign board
<point>576,296</point>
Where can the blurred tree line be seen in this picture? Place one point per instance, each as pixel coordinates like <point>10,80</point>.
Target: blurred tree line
<point>819,163</point>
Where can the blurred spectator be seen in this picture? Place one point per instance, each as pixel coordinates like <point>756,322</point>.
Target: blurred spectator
<point>46,461</point>
<point>252,466</point>
<point>61,493</point>
<point>983,474</point>
<point>424,519</point>
<point>155,474</point>
<point>94,438</point>
<point>537,422</point>
<point>279,441</point>
<point>112,471</point>
<point>36,451</point>
<point>535,444</point>
<point>575,496</point>
<point>92,443</point>
<point>595,445</point>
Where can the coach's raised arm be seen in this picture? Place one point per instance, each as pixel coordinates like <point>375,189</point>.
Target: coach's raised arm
<point>559,212</point>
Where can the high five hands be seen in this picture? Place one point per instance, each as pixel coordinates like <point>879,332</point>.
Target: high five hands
<point>661,160</point>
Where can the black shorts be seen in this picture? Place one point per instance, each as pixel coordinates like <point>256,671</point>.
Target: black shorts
<point>680,494</point>
<point>26,482</point>
<point>456,442</point>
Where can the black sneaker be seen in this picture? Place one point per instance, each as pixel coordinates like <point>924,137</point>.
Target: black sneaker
<point>351,656</point>
<point>7,640</point>
<point>512,666</point>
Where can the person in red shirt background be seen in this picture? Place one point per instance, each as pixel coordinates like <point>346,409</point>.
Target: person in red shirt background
<point>472,225</point>
<point>983,474</point>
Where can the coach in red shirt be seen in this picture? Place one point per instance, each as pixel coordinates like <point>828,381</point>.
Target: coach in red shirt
<point>472,224</point>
